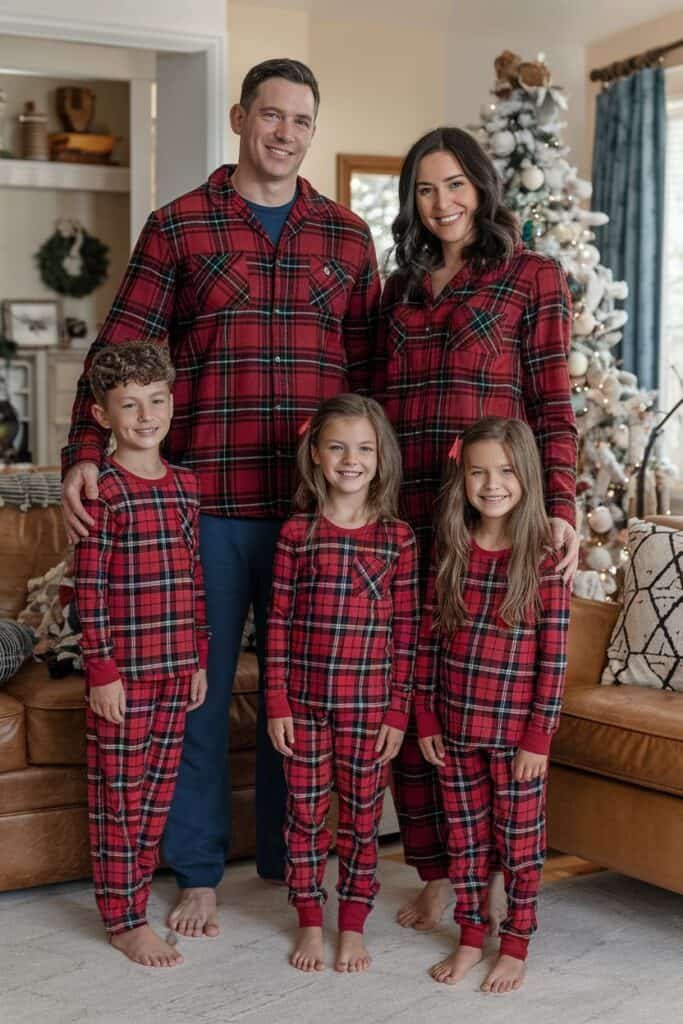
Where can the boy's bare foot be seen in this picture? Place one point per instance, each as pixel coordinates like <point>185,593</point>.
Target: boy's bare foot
<point>144,946</point>
<point>454,968</point>
<point>506,975</point>
<point>195,914</point>
<point>425,911</point>
<point>308,952</point>
<point>351,953</point>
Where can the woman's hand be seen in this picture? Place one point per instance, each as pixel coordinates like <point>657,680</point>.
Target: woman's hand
<point>198,688</point>
<point>527,766</point>
<point>433,750</point>
<point>565,536</point>
<point>281,733</point>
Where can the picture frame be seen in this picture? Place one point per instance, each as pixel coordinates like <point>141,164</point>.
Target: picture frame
<point>32,323</point>
<point>368,185</point>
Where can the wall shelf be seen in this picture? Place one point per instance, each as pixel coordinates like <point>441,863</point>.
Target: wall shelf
<point>48,174</point>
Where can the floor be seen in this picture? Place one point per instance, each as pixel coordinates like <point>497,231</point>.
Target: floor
<point>608,951</point>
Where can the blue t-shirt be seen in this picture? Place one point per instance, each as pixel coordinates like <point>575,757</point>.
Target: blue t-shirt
<point>272,218</point>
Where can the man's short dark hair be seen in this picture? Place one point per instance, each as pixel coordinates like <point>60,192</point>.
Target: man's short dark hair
<point>129,362</point>
<point>279,67</point>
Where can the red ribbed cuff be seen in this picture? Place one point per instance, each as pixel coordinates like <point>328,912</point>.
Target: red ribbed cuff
<point>536,741</point>
<point>277,705</point>
<point>396,719</point>
<point>427,723</point>
<point>352,916</point>
<point>514,945</point>
<point>310,915</point>
<point>203,650</point>
<point>473,935</point>
<point>100,672</point>
<point>432,872</point>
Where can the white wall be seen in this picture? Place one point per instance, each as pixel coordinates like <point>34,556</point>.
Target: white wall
<point>201,17</point>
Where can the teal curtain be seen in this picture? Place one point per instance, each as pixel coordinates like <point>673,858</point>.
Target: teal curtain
<point>628,185</point>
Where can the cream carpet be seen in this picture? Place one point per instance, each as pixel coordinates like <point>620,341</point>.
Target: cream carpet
<point>608,951</point>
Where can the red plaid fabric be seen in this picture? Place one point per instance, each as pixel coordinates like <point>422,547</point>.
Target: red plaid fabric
<point>490,816</point>
<point>132,770</point>
<point>138,578</point>
<point>333,749</point>
<point>259,335</point>
<point>490,684</point>
<point>494,344</point>
<point>343,620</point>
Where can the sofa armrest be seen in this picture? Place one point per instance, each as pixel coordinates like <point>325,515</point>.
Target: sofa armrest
<point>590,629</point>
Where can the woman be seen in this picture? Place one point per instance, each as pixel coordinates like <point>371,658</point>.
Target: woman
<point>473,325</point>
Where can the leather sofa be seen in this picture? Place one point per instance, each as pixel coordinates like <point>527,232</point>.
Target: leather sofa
<point>615,788</point>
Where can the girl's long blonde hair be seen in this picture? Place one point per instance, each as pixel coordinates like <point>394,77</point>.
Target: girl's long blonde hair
<point>528,526</point>
<point>311,493</point>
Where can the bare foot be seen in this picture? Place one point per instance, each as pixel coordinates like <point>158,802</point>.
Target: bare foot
<point>351,953</point>
<point>144,946</point>
<point>425,911</point>
<point>194,914</point>
<point>498,902</point>
<point>506,975</point>
<point>308,952</point>
<point>454,968</point>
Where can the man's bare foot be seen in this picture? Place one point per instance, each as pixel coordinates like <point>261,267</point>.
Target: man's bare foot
<point>425,911</point>
<point>195,914</point>
<point>351,953</point>
<point>506,975</point>
<point>498,902</point>
<point>454,968</point>
<point>308,952</point>
<point>144,946</point>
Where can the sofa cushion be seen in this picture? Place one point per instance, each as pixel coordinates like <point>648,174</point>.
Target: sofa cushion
<point>624,732</point>
<point>12,734</point>
<point>55,715</point>
<point>42,787</point>
<point>30,543</point>
<point>646,648</point>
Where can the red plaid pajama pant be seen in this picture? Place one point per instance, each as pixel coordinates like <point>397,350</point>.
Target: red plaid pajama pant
<point>132,771</point>
<point>489,815</point>
<point>334,749</point>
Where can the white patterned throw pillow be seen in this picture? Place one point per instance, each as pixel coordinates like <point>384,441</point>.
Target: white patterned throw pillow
<point>646,648</point>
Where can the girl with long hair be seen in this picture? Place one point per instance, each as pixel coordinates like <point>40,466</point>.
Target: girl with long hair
<point>472,325</point>
<point>488,684</point>
<point>342,632</point>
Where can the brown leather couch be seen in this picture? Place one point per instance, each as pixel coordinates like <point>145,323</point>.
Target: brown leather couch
<point>615,791</point>
<point>43,816</point>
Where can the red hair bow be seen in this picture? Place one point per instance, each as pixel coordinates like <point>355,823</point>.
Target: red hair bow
<point>455,450</point>
<point>304,427</point>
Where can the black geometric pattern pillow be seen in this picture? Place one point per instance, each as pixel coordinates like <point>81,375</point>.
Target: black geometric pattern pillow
<point>646,648</point>
<point>16,643</point>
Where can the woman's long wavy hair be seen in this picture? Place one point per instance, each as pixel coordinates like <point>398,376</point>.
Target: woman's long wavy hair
<point>311,493</point>
<point>416,249</point>
<point>528,526</point>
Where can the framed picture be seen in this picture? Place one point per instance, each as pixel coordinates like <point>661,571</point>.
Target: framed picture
<point>368,185</point>
<point>32,323</point>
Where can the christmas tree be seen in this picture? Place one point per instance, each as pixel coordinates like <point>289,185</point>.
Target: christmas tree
<point>521,129</point>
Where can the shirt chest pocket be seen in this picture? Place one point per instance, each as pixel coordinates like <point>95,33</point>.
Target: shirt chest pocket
<point>330,285</point>
<point>474,333</point>
<point>221,281</point>
<point>370,577</point>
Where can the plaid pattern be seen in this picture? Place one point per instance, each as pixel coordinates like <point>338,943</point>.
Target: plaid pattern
<point>138,578</point>
<point>488,815</point>
<point>343,620</point>
<point>259,335</point>
<point>132,770</point>
<point>489,684</point>
<point>335,749</point>
<point>489,345</point>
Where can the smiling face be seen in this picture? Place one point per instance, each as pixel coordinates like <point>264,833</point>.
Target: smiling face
<point>347,454</point>
<point>491,484</point>
<point>138,415</point>
<point>446,199</point>
<point>276,131</point>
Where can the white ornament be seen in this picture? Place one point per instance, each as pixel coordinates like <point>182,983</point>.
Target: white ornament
<point>503,143</point>
<point>532,178</point>
<point>563,233</point>
<point>578,364</point>
<point>599,558</point>
<point>620,435</point>
<point>487,111</point>
<point>600,519</point>
<point>583,324</point>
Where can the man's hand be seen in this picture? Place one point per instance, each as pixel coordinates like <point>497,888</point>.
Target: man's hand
<point>565,536</point>
<point>389,740</point>
<point>198,688</point>
<point>527,766</point>
<point>82,477</point>
<point>433,750</point>
<point>109,701</point>
<point>281,732</point>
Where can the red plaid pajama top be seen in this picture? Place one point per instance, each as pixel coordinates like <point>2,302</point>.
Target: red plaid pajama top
<point>490,344</point>
<point>342,627</point>
<point>259,335</point>
<point>493,685</point>
<point>138,578</point>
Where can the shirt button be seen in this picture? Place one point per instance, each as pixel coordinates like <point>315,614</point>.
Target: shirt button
<point>276,359</point>
<point>326,270</point>
<point>276,309</point>
<point>278,408</point>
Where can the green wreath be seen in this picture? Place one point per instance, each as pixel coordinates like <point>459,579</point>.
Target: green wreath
<point>91,262</point>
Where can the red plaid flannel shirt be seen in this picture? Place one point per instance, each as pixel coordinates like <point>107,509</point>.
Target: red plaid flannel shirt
<point>259,335</point>
<point>138,578</point>
<point>493,685</point>
<point>343,622</point>
<point>493,344</point>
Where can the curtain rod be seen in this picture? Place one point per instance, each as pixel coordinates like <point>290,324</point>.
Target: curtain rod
<point>619,68</point>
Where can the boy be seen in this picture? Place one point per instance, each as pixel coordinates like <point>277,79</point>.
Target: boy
<point>140,599</point>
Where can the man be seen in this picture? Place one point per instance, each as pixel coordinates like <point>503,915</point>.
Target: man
<point>268,293</point>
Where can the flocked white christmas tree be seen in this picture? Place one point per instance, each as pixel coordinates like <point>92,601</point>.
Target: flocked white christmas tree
<point>521,129</point>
